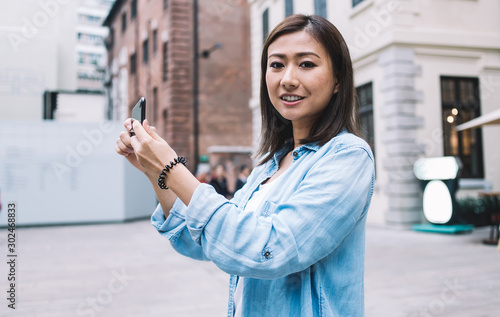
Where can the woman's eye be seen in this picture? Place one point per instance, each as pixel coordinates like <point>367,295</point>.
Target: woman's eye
<point>307,65</point>
<point>276,65</point>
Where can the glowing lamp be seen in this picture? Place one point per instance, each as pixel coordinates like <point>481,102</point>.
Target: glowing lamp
<point>439,180</point>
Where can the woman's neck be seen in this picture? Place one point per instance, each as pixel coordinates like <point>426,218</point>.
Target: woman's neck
<point>300,132</point>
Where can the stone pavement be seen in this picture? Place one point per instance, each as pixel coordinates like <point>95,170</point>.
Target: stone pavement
<point>128,269</point>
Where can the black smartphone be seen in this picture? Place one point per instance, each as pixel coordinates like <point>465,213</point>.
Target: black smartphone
<point>139,112</point>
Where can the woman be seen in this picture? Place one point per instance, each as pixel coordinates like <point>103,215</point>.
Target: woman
<point>219,181</point>
<point>293,237</point>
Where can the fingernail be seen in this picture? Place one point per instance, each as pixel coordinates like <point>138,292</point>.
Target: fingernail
<point>129,126</point>
<point>146,123</point>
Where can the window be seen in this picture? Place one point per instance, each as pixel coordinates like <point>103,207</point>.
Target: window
<point>124,21</point>
<point>145,51</point>
<point>94,58</point>
<point>365,101</point>
<point>89,58</point>
<point>155,103</point>
<point>89,19</point>
<point>265,24</point>
<point>111,38</point>
<point>155,41</point>
<point>133,63</point>
<point>356,2</point>
<point>165,5</point>
<point>320,8</point>
<point>165,117</point>
<point>165,61</point>
<point>133,9</point>
<point>459,104</point>
<point>81,58</point>
<point>288,7</point>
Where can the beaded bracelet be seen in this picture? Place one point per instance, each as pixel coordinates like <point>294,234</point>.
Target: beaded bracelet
<point>163,174</point>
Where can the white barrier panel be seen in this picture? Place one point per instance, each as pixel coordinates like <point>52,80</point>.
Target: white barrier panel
<point>68,173</point>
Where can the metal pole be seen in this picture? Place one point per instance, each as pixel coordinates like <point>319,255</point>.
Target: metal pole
<point>195,85</point>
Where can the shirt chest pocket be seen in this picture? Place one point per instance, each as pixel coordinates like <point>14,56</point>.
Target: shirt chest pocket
<point>268,208</point>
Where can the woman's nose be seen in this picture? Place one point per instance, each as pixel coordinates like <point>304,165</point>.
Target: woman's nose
<point>289,79</point>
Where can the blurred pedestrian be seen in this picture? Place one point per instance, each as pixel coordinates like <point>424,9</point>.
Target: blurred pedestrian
<point>219,180</point>
<point>203,177</point>
<point>293,237</point>
<point>242,177</point>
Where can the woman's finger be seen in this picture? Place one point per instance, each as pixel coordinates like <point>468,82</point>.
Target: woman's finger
<point>125,138</point>
<point>124,148</point>
<point>128,124</point>
<point>120,151</point>
<point>151,130</point>
<point>140,132</point>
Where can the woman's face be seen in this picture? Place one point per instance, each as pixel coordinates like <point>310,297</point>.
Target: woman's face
<point>299,77</point>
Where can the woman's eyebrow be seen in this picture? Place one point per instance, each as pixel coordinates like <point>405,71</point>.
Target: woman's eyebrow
<point>300,54</point>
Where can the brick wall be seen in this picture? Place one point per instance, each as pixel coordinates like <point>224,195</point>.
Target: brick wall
<point>224,78</point>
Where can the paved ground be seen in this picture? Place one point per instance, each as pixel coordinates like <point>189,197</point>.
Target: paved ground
<point>128,269</point>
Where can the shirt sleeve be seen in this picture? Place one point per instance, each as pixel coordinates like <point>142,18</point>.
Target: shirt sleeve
<point>328,203</point>
<point>174,226</point>
<point>174,229</point>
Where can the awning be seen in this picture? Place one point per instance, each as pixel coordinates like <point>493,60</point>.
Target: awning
<point>490,118</point>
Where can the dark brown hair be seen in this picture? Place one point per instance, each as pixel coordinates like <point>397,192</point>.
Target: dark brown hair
<point>340,113</point>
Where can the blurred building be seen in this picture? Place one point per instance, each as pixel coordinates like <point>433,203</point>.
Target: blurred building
<point>52,49</point>
<point>421,68</point>
<point>38,54</point>
<point>64,170</point>
<point>152,54</point>
<point>90,50</point>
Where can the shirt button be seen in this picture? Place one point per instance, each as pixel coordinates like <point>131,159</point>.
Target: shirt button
<point>295,153</point>
<point>267,254</point>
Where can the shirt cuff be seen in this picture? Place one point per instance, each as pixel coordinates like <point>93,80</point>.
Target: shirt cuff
<point>172,226</point>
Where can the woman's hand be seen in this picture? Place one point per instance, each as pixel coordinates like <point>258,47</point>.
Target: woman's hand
<point>151,151</point>
<point>124,147</point>
<point>147,151</point>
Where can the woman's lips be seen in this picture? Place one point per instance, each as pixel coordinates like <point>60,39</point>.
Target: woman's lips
<point>290,103</point>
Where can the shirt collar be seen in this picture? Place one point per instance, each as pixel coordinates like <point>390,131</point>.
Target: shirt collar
<point>289,147</point>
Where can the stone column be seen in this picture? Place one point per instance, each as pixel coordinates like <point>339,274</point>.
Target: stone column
<point>400,136</point>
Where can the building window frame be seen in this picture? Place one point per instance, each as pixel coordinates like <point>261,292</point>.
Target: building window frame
<point>124,22</point>
<point>356,2</point>
<point>165,61</point>
<point>145,51</point>
<point>365,110</point>
<point>155,40</point>
<point>133,9</point>
<point>133,63</point>
<point>155,103</point>
<point>460,102</point>
<point>320,8</point>
<point>288,7</point>
<point>265,24</point>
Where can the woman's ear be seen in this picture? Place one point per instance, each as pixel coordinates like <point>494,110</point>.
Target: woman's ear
<point>336,88</point>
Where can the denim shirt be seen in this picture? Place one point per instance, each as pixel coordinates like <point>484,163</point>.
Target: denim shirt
<point>302,254</point>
